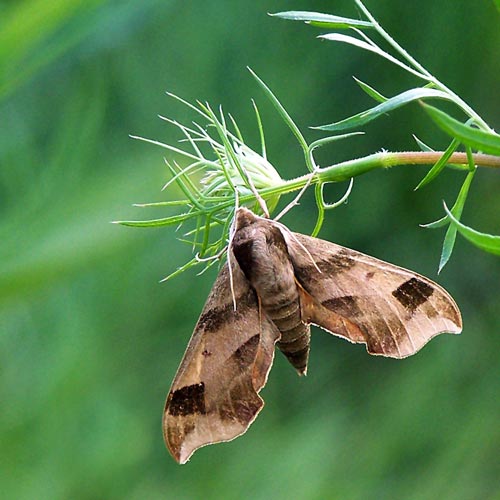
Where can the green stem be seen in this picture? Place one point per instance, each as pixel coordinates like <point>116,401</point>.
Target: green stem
<point>430,157</point>
<point>352,168</point>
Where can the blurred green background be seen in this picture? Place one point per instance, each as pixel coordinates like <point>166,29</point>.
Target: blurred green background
<point>90,341</point>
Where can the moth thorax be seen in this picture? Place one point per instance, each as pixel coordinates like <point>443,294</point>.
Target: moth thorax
<point>262,255</point>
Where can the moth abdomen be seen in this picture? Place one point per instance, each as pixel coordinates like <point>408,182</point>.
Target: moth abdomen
<point>295,340</point>
<point>262,254</point>
<point>297,349</point>
<point>286,314</point>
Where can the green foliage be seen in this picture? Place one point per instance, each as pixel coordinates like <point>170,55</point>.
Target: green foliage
<point>324,20</point>
<point>438,167</point>
<point>386,106</point>
<point>488,141</point>
<point>486,242</point>
<point>482,138</point>
<point>230,178</point>
<point>236,174</point>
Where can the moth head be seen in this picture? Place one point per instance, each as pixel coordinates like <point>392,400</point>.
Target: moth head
<point>245,218</point>
<point>259,246</point>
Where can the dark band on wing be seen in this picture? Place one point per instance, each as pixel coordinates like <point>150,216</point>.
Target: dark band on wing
<point>187,400</point>
<point>213,319</point>
<point>346,306</point>
<point>245,354</point>
<point>334,264</point>
<point>413,293</point>
<point>242,403</point>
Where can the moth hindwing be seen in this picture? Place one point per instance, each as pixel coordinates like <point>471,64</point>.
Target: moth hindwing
<point>283,282</point>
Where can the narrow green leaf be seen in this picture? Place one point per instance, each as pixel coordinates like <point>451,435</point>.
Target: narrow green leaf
<point>261,130</point>
<point>332,138</point>
<point>340,201</point>
<point>167,221</point>
<point>206,238</point>
<point>422,145</point>
<point>367,89</point>
<point>371,46</point>
<point>448,244</point>
<point>193,262</point>
<point>237,130</point>
<point>282,112</point>
<point>385,107</point>
<point>487,242</point>
<point>443,221</point>
<point>439,165</point>
<point>451,233</point>
<point>180,179</point>
<point>172,203</point>
<point>318,194</point>
<point>487,142</point>
<point>458,206</point>
<point>323,20</point>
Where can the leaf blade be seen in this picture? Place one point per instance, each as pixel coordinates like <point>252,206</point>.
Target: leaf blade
<point>481,140</point>
<point>322,20</point>
<point>437,168</point>
<point>166,221</point>
<point>391,104</point>
<point>488,242</point>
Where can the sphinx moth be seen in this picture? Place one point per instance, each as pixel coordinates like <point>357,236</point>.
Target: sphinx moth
<point>274,284</point>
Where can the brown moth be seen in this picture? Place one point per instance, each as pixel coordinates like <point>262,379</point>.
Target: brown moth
<point>281,283</point>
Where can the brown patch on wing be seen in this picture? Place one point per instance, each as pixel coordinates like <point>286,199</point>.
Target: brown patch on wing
<point>241,404</point>
<point>333,264</point>
<point>187,400</point>
<point>347,305</point>
<point>245,354</point>
<point>413,293</point>
<point>382,330</point>
<point>212,319</point>
<point>339,262</point>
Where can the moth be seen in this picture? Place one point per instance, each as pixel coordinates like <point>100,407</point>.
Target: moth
<point>274,285</point>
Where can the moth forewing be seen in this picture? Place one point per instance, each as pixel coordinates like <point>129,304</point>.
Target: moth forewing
<point>280,282</point>
<point>394,311</point>
<point>214,396</point>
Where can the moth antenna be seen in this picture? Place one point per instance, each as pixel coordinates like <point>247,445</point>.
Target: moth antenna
<point>295,201</point>
<point>261,201</point>
<point>258,197</point>
<point>232,231</point>
<point>231,281</point>
<point>259,302</point>
<point>283,228</point>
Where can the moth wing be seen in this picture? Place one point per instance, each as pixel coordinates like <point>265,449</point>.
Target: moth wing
<point>214,396</point>
<point>394,311</point>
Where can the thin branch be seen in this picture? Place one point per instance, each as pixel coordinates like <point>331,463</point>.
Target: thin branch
<point>430,157</point>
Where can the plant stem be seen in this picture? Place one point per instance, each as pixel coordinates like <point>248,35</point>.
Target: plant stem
<point>352,168</point>
<point>430,157</point>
